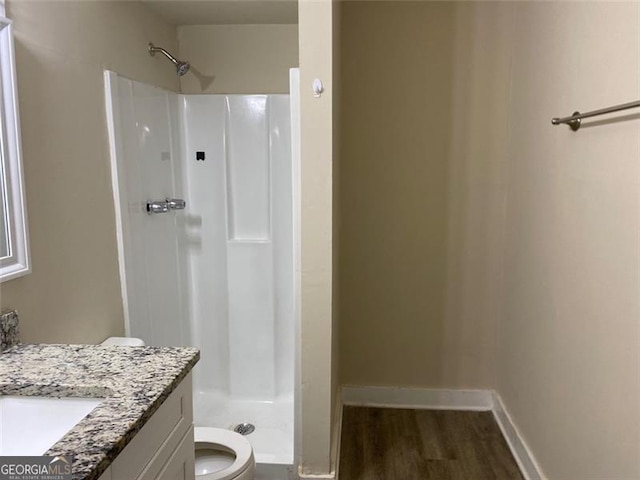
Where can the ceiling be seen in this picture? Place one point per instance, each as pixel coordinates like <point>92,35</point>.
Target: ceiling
<point>225,12</point>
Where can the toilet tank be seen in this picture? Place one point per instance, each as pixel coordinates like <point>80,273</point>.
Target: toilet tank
<point>124,341</point>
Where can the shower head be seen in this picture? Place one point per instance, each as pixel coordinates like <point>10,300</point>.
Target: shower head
<point>181,67</point>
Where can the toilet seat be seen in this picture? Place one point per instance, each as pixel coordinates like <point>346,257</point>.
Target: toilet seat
<point>226,440</point>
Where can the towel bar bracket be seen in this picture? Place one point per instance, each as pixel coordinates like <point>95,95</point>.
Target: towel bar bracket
<point>575,123</point>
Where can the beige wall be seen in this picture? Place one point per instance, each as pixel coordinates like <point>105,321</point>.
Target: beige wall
<point>425,100</point>
<point>480,245</point>
<point>319,354</point>
<point>73,294</point>
<point>238,58</point>
<point>568,368</point>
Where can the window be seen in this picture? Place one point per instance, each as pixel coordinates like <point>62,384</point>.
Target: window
<point>14,241</point>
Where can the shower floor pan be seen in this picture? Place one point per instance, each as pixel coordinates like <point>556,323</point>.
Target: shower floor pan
<point>272,439</point>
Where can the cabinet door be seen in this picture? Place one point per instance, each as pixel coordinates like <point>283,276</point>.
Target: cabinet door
<point>181,464</point>
<point>149,450</point>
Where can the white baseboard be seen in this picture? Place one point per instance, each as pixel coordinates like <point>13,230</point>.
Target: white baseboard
<point>326,476</point>
<point>521,452</point>
<point>422,398</point>
<point>444,399</point>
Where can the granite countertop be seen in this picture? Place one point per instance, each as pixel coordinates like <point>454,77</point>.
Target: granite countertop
<point>134,381</point>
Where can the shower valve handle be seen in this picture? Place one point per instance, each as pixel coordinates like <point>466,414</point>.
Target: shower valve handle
<point>157,207</point>
<point>176,203</point>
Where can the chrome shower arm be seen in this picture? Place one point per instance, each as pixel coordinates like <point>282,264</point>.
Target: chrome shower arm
<point>181,67</point>
<point>153,50</point>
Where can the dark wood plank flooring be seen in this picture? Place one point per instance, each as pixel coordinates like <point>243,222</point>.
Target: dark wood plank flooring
<point>402,444</point>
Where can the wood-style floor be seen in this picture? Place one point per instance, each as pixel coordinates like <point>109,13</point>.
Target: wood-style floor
<point>401,444</point>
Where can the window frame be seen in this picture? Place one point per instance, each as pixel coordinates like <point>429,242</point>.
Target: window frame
<point>17,263</point>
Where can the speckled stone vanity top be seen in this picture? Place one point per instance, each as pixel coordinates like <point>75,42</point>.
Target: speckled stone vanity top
<point>135,381</point>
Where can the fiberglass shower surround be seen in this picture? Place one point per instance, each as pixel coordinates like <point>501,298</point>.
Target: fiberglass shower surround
<point>218,275</point>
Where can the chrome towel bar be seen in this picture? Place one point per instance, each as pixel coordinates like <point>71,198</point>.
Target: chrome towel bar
<point>575,120</point>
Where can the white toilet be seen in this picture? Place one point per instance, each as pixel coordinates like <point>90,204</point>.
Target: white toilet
<point>124,342</point>
<point>220,454</point>
<point>223,455</point>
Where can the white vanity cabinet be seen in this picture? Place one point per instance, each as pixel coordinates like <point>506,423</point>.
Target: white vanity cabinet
<point>164,448</point>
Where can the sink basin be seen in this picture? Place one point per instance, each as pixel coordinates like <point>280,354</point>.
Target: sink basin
<point>31,425</point>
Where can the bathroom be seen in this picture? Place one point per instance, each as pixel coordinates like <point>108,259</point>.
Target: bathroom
<point>453,242</point>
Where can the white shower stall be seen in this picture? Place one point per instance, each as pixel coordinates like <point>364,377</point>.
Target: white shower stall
<point>222,273</point>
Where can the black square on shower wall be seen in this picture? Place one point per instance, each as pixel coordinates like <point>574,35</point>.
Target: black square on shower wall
<point>200,156</point>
